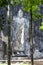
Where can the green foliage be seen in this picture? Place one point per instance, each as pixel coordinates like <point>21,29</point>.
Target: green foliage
<point>28,3</point>
<point>34,5</point>
<point>42,2</point>
<point>3,3</point>
<point>41,23</point>
<point>36,16</point>
<point>41,27</point>
<point>16,2</point>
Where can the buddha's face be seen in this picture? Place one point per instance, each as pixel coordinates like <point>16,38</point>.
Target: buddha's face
<point>20,13</point>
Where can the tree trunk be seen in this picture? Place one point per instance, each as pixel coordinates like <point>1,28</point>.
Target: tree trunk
<point>31,36</point>
<point>9,32</point>
<point>9,38</point>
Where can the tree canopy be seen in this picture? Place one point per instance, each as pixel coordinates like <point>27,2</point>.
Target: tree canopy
<point>3,3</point>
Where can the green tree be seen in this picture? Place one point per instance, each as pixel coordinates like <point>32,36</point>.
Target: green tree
<point>32,6</point>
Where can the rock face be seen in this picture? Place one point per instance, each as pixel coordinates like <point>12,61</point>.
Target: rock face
<point>1,53</point>
<point>37,54</point>
<point>3,34</point>
<point>38,38</point>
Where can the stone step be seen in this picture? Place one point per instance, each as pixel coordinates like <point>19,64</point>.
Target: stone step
<point>19,55</point>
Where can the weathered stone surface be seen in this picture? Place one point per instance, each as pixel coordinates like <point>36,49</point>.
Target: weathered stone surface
<point>38,39</point>
<point>37,54</point>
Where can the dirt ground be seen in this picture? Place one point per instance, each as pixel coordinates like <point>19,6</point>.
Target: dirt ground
<point>36,62</point>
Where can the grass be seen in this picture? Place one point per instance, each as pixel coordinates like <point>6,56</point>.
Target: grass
<point>15,64</point>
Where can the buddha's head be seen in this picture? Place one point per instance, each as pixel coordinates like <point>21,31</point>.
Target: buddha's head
<point>20,13</point>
